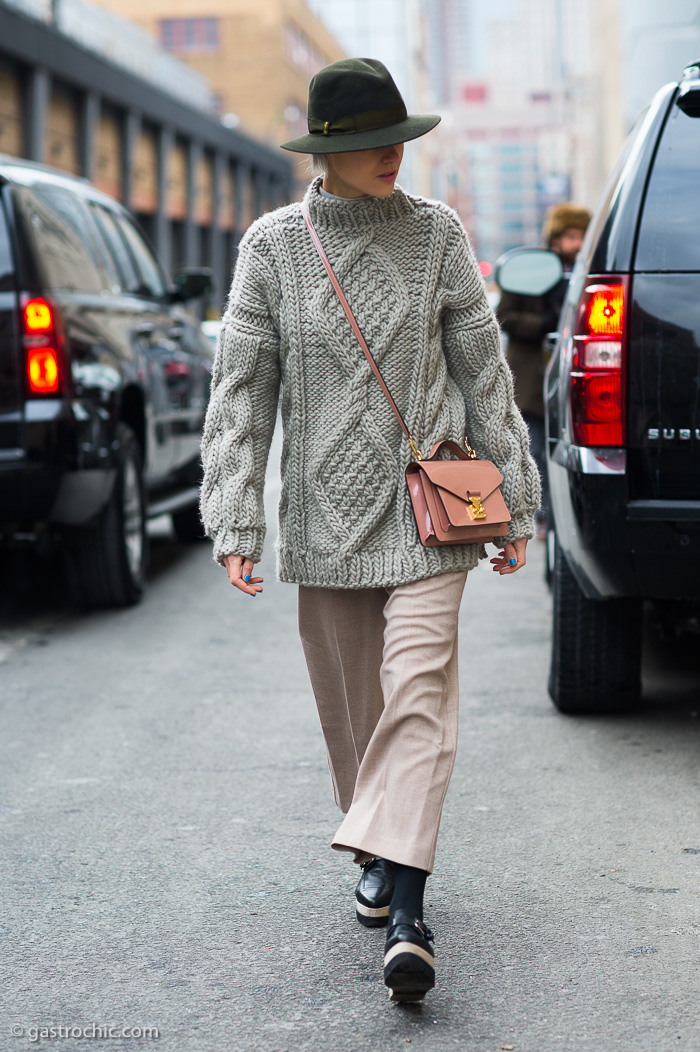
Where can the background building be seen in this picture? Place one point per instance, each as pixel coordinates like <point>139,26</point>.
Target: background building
<point>537,97</point>
<point>194,184</point>
<point>257,56</point>
<point>657,41</point>
<point>514,81</point>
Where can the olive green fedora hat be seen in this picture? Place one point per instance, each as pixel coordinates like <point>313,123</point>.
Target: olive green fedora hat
<point>355,105</point>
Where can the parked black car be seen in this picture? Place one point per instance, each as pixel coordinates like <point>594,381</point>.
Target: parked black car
<point>104,381</point>
<point>622,396</point>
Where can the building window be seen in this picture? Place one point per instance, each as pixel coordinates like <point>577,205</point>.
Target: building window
<point>189,34</point>
<point>301,51</point>
<point>295,117</point>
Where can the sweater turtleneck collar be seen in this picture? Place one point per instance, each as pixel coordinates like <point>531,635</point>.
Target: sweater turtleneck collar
<point>358,213</point>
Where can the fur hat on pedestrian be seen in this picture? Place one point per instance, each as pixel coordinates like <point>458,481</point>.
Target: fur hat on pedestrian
<point>562,217</point>
<point>354,104</point>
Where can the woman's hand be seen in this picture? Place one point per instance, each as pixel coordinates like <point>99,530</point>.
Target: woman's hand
<point>511,558</point>
<point>240,570</point>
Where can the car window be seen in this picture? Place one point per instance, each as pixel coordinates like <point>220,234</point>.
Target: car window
<point>9,387</point>
<point>151,274</point>
<point>59,231</point>
<point>7,269</point>
<point>112,277</point>
<point>129,277</point>
<point>669,236</point>
<point>594,250</point>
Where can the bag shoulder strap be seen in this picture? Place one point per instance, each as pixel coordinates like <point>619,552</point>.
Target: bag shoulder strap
<point>356,328</point>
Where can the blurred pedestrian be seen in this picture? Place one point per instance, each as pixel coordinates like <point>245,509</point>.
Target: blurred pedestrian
<point>377,611</point>
<point>527,320</point>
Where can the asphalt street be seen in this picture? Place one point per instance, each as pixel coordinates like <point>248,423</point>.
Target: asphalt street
<point>166,818</point>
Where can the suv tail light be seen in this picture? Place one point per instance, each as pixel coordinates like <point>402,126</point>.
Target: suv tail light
<point>597,369</point>
<point>43,339</point>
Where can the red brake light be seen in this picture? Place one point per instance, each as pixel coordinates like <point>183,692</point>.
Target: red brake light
<point>44,346</point>
<point>606,310</point>
<point>38,316</point>
<point>597,375</point>
<point>42,370</point>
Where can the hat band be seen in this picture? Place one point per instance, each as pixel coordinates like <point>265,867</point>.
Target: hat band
<point>359,122</point>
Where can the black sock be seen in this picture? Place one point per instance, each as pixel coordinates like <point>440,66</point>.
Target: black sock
<point>409,888</point>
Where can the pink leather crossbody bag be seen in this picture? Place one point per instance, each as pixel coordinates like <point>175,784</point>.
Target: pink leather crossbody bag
<point>454,501</point>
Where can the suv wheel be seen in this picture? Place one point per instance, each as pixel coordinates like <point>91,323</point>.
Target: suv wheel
<point>596,648</point>
<point>107,564</point>
<point>188,525</point>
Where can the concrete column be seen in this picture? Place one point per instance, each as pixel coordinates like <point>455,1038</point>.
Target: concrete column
<point>89,118</point>
<point>218,251</point>
<point>241,174</point>
<point>281,191</point>
<point>258,178</point>
<point>194,153</point>
<point>130,133</point>
<point>37,96</point>
<point>166,141</point>
<point>273,188</point>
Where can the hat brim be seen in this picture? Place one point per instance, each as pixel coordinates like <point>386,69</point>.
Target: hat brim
<point>411,128</point>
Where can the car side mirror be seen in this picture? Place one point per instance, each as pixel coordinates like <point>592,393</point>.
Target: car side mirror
<point>191,283</point>
<point>528,271</point>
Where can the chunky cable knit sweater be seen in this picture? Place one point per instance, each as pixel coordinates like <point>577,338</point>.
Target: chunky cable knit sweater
<point>409,274</point>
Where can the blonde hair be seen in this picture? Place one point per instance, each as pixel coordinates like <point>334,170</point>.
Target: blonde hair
<point>318,163</point>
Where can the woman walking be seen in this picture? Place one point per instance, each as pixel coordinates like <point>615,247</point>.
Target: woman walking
<point>378,611</point>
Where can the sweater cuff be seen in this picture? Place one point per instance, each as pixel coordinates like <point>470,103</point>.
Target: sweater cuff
<point>247,542</point>
<point>522,527</point>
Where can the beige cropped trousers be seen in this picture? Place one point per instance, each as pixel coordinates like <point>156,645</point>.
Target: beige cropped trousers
<point>383,668</point>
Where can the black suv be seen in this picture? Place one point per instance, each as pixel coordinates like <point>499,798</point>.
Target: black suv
<point>104,381</point>
<point>622,398</point>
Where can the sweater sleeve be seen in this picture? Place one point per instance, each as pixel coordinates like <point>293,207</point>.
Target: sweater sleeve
<point>471,342</point>
<point>242,410</point>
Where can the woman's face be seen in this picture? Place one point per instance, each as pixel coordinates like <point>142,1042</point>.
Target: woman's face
<point>363,172</point>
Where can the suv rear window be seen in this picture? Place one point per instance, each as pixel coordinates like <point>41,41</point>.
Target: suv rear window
<point>129,278</point>
<point>137,268</point>
<point>669,237</point>
<point>7,268</point>
<point>151,275</point>
<point>8,349</point>
<point>59,230</point>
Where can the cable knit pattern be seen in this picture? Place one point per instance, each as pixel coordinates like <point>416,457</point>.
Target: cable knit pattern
<point>410,276</point>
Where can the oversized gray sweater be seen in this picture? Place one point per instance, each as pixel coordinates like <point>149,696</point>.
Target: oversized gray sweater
<point>410,276</point>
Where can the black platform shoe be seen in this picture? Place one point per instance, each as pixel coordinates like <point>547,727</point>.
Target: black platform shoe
<point>409,958</point>
<point>373,893</point>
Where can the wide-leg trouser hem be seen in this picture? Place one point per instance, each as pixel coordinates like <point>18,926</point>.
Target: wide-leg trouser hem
<point>392,850</point>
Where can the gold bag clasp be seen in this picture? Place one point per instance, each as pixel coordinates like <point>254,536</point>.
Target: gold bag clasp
<point>476,509</point>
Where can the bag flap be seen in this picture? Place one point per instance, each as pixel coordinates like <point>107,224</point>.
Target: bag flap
<point>463,477</point>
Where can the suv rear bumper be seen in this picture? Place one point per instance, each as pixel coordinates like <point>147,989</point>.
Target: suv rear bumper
<point>64,473</point>
<point>618,547</point>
